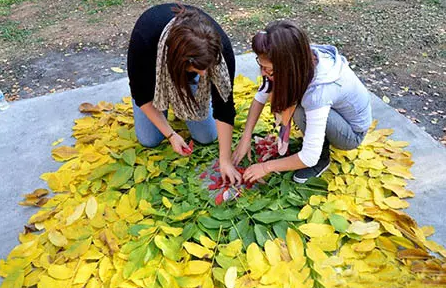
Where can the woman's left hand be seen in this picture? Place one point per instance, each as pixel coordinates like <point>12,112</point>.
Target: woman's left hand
<point>255,172</point>
<point>228,172</point>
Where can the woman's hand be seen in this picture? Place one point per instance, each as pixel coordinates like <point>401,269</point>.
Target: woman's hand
<point>228,172</point>
<point>179,145</point>
<point>243,148</point>
<point>255,172</point>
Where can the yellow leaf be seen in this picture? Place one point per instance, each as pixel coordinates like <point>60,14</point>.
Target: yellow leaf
<point>196,267</point>
<point>57,239</point>
<point>256,261</point>
<point>166,203</point>
<point>231,277</point>
<point>84,273</point>
<point>272,252</point>
<point>390,228</point>
<point>46,281</point>
<point>57,142</point>
<point>428,230</point>
<point>328,242</point>
<point>315,253</point>
<point>400,171</point>
<point>60,272</point>
<point>364,246</point>
<point>206,242</point>
<point>294,244</point>
<point>362,228</point>
<point>396,203</point>
<point>231,249</point>
<point>78,211</point>
<point>91,207</point>
<point>316,230</point>
<point>197,250</point>
<point>117,70</point>
<point>305,213</point>
<point>175,231</point>
<point>14,279</point>
<point>64,153</point>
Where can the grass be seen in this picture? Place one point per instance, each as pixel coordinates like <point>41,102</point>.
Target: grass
<point>96,6</point>
<point>254,20</point>
<point>10,31</point>
<point>5,6</point>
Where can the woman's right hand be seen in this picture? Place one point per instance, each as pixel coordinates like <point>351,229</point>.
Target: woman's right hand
<point>243,148</point>
<point>179,145</point>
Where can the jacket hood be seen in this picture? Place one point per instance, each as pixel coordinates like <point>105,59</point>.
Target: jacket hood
<point>329,66</point>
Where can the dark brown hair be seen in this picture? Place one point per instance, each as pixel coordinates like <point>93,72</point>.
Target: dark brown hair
<point>192,41</point>
<point>288,48</point>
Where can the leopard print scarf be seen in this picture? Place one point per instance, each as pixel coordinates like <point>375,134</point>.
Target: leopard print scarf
<point>166,92</point>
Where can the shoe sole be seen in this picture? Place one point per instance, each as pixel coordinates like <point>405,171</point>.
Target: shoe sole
<point>303,180</point>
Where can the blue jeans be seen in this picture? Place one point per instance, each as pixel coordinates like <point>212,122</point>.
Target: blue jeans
<point>149,135</point>
<point>338,132</point>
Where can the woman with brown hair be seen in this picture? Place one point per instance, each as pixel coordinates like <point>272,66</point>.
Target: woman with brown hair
<point>314,85</point>
<point>179,56</point>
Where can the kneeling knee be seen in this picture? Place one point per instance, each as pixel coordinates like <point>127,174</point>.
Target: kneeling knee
<point>150,142</point>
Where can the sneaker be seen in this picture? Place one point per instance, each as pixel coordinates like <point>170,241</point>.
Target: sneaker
<point>302,175</point>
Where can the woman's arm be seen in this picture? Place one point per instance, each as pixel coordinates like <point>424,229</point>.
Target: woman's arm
<point>244,146</point>
<point>227,169</point>
<point>307,157</point>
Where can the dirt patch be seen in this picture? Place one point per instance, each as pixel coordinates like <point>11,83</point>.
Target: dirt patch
<point>398,48</point>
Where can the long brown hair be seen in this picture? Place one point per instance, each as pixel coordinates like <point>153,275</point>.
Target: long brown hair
<point>288,47</point>
<point>192,41</point>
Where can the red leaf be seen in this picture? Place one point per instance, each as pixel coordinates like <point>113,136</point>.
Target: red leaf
<point>213,187</point>
<point>203,175</point>
<point>219,199</point>
<point>191,146</point>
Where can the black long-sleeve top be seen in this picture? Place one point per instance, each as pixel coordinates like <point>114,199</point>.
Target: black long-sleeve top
<point>142,54</point>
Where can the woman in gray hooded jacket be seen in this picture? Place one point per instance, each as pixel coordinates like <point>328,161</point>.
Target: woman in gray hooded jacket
<point>314,85</point>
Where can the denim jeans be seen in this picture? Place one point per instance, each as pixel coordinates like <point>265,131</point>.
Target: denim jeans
<point>338,132</point>
<point>149,135</point>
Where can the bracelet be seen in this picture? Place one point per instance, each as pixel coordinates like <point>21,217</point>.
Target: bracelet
<point>170,135</point>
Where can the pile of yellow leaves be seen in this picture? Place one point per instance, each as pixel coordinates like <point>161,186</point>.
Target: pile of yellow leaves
<point>119,218</point>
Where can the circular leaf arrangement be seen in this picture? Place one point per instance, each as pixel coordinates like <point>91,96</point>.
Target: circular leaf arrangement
<point>127,216</point>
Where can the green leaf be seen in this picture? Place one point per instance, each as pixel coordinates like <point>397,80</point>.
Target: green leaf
<point>103,170</point>
<point>290,214</point>
<point>134,230</point>
<point>212,233</point>
<point>136,261</point>
<point>168,187</point>
<point>261,233</point>
<point>221,213</point>
<point>151,252</point>
<point>286,187</point>
<point>129,156</point>
<point>140,174</point>
<point>14,279</point>
<point>317,217</point>
<point>225,262</point>
<point>212,223</point>
<point>169,246</point>
<point>295,200</point>
<point>121,176</point>
<point>268,217</point>
<point>258,204</point>
<point>142,192</point>
<point>189,230</point>
<point>280,229</point>
<point>338,222</point>
<point>317,182</point>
